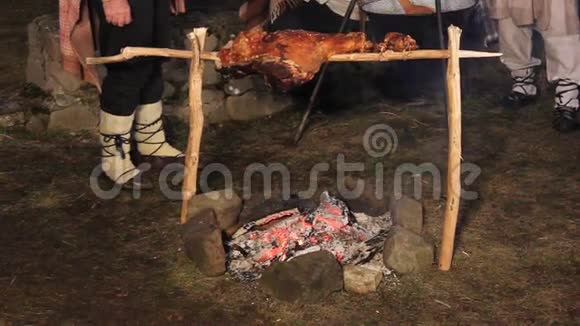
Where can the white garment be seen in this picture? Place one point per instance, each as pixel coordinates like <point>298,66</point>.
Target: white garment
<point>393,7</point>
<point>562,51</point>
<point>339,7</point>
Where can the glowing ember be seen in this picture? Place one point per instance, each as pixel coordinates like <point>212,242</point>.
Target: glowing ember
<point>292,233</point>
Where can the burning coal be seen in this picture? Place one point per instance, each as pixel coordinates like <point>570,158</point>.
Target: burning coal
<point>352,238</point>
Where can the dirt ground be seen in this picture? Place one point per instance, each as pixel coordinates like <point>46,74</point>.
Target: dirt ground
<point>68,256</point>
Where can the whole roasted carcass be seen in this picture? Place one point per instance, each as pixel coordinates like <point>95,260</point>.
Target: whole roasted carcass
<point>292,57</point>
<point>288,58</point>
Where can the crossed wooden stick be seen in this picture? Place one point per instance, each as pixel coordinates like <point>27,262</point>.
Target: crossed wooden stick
<point>452,54</point>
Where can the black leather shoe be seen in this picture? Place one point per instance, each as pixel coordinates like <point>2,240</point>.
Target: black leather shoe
<point>158,162</point>
<point>139,182</point>
<point>516,100</point>
<point>565,119</point>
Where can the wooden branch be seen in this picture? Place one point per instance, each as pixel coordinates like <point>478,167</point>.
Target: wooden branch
<point>133,52</point>
<point>129,53</point>
<point>454,154</point>
<point>195,119</point>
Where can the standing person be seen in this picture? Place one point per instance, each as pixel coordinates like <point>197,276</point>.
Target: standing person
<point>324,16</point>
<point>416,80</point>
<point>558,23</point>
<point>131,91</point>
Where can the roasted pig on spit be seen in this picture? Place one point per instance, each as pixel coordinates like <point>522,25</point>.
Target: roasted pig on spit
<point>292,57</point>
<point>288,58</point>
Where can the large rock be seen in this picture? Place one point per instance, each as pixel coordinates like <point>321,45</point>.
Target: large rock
<point>361,280</point>
<point>44,62</point>
<point>203,243</point>
<point>77,117</point>
<point>407,252</point>
<point>176,71</point>
<point>12,120</point>
<point>226,205</point>
<point>211,41</point>
<point>407,213</point>
<point>59,79</point>
<point>214,110</point>
<point>211,76</point>
<point>308,278</point>
<point>168,90</point>
<point>37,125</point>
<point>254,105</point>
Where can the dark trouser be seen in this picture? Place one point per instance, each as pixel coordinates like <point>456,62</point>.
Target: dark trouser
<point>412,78</point>
<point>138,81</point>
<point>314,17</point>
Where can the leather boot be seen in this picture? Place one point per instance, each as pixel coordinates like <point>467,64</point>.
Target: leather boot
<point>116,161</point>
<point>150,137</point>
<point>566,106</point>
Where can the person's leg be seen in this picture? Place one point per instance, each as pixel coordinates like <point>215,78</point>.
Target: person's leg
<point>121,89</point>
<point>408,80</point>
<point>515,42</point>
<point>563,67</point>
<point>149,132</point>
<point>312,16</point>
<point>315,17</point>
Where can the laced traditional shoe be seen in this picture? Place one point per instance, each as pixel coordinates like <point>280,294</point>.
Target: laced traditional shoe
<point>150,137</point>
<point>566,107</point>
<point>116,162</point>
<point>524,91</point>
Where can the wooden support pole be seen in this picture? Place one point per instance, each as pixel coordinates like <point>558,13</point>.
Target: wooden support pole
<point>133,52</point>
<point>195,119</point>
<point>454,154</point>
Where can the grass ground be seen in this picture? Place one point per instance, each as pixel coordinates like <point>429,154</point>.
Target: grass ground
<point>68,256</point>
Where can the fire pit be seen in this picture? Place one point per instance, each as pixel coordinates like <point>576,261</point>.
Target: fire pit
<point>353,238</point>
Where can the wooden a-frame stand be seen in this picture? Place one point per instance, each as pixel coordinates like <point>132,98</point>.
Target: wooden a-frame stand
<point>452,54</point>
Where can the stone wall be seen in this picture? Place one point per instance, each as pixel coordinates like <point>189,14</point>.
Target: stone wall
<point>74,105</point>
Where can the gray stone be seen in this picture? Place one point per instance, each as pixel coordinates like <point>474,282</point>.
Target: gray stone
<point>203,243</point>
<point>168,90</point>
<point>407,213</point>
<point>255,105</point>
<point>308,278</point>
<point>211,41</point>
<point>226,205</point>
<point>176,71</point>
<point>12,120</point>
<point>69,82</point>
<point>35,73</point>
<point>63,101</point>
<point>210,75</point>
<point>37,125</point>
<point>361,280</point>
<point>77,117</point>
<point>238,86</point>
<point>43,67</point>
<point>214,110</point>
<point>407,252</point>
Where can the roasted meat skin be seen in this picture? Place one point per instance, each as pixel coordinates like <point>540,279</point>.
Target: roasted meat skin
<point>288,58</point>
<point>397,42</point>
